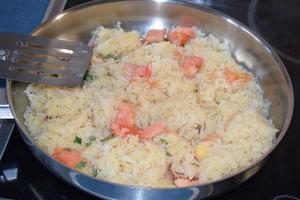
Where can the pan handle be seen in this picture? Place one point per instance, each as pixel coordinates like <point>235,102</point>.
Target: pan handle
<point>5,112</point>
<point>6,129</point>
<point>7,122</point>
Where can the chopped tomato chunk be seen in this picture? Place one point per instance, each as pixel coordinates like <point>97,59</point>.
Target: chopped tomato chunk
<point>139,70</point>
<point>180,35</point>
<point>212,137</point>
<point>184,182</point>
<point>155,35</point>
<point>191,65</point>
<point>70,157</point>
<point>232,76</point>
<point>124,122</point>
<point>151,131</point>
<point>143,71</point>
<point>186,30</point>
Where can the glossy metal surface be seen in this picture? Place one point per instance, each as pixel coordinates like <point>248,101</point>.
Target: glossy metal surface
<point>43,60</point>
<point>250,50</point>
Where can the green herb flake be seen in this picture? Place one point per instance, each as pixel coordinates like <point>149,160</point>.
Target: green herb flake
<point>89,76</point>
<point>88,144</point>
<point>108,137</point>
<point>168,154</point>
<point>91,139</point>
<point>77,140</point>
<point>80,165</point>
<point>163,141</point>
<point>195,164</point>
<point>108,56</point>
<point>94,172</point>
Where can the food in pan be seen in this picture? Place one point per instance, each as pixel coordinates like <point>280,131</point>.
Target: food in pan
<point>172,109</point>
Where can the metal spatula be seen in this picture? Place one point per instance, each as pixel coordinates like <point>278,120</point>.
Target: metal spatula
<point>43,60</point>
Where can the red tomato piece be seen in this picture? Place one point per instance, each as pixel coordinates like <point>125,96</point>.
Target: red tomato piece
<point>212,137</point>
<point>180,35</point>
<point>232,76</point>
<point>70,157</point>
<point>124,122</point>
<point>155,35</point>
<point>138,70</point>
<point>143,71</point>
<point>191,65</point>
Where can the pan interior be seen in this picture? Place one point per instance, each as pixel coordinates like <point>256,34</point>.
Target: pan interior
<point>78,25</point>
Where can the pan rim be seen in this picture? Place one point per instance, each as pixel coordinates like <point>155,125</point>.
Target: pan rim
<point>233,22</point>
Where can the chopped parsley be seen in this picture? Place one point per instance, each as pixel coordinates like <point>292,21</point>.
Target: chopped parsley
<point>80,165</point>
<point>89,76</point>
<point>195,164</point>
<point>77,140</point>
<point>88,144</point>
<point>163,141</point>
<point>91,139</point>
<point>108,56</point>
<point>108,137</point>
<point>168,154</point>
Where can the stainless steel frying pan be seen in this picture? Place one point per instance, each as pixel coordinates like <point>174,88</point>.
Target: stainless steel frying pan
<point>248,48</point>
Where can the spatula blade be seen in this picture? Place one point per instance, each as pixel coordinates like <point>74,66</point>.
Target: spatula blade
<point>43,60</point>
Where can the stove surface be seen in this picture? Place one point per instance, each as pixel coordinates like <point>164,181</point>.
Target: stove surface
<point>23,177</point>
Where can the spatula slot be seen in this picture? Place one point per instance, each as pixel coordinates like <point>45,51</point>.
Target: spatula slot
<point>28,53</point>
<point>41,47</point>
<point>40,64</point>
<point>64,59</point>
<point>32,72</point>
<point>43,56</point>
<point>37,46</point>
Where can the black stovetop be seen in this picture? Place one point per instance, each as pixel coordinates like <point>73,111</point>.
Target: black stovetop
<point>279,23</point>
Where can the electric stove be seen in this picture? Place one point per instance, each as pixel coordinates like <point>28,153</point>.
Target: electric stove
<point>23,177</point>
